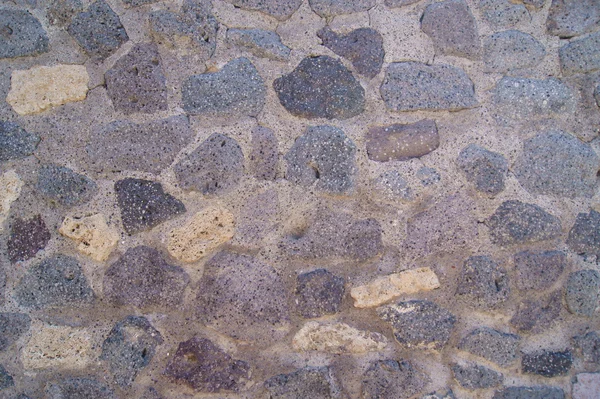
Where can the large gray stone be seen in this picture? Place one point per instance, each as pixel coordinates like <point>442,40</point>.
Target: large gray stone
<point>62,186</point>
<point>331,8</point>
<point>568,18</point>
<point>391,379</point>
<point>279,9</point>
<point>495,346</point>
<point>264,157</point>
<point>474,376</point>
<point>589,345</point>
<point>539,270</point>
<point>6,380</point>
<point>12,327</point>
<point>308,382</point>
<point>582,292</point>
<point>60,12</point>
<point>537,392</point>
<point>27,238</point>
<point>401,142</point>
<point>584,236</point>
<point>261,43</point>
<point>483,282</point>
<point>79,388</point>
<point>537,315</point>
<point>547,363</point>
<point>318,293</point>
<point>22,34</point>
<point>15,142</point>
<point>581,55</point>
<point>511,50</point>
<point>485,169</point>
<point>503,13</point>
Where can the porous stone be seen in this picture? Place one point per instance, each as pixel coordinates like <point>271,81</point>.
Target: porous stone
<point>474,376</point>
<point>318,293</point>
<point>6,380</point>
<point>96,239</point>
<point>537,315</point>
<point>22,35</point>
<point>323,157</point>
<point>331,8</point>
<point>388,378</point>
<point>452,28</point>
<point>511,50</point>
<point>445,393</point>
<point>413,86</point>
<point>584,236</point>
<point>98,30</point>
<point>418,323</point>
<point>401,142</point>
<point>538,270</point>
<point>536,392</point>
<point>589,345</point>
<point>62,186</point>
<point>313,382</point>
<point>557,163</point>
<point>214,168</point>
<point>279,9</point>
<point>135,3</point>
<point>586,385</point>
<point>261,43</point>
<point>264,156</point>
<point>257,219</point>
<point>144,204</point>
<point>582,292</point>
<point>383,289</point>
<point>493,345</point>
<point>15,142</point>
<point>485,169</point>
<point>390,185</point>
<point>27,238</point>
<point>547,363</point>
<point>428,176</point>
<point>337,338</point>
<point>60,12</point>
<point>363,47</point>
<point>597,95</point>
<point>516,222</point>
<point>483,282</point>
<point>398,3</point>
<point>572,18</point>
<point>204,366</point>
<point>581,55</point>
<point>320,87</point>
<point>503,13</point>
<point>57,281</point>
<point>12,327</point>
<point>79,388</point>
<point>235,91</point>
<point>200,235</point>
<point>142,278</point>
<point>44,87</point>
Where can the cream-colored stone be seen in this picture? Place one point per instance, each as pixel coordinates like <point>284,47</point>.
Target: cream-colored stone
<point>337,338</point>
<point>42,87</point>
<point>96,239</point>
<point>10,189</point>
<point>383,289</point>
<point>205,231</point>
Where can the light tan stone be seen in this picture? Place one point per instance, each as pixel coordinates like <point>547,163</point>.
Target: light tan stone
<point>383,289</point>
<point>205,231</point>
<point>42,87</point>
<point>96,239</point>
<point>10,189</point>
<point>337,338</point>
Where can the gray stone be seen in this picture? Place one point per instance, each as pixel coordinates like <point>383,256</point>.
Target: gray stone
<point>391,379</point>
<point>142,278</point>
<point>417,323</point>
<point>483,282</point>
<point>393,187</point>
<point>547,363</point>
<point>503,13</point>
<point>586,386</point>
<point>452,28</point>
<point>6,380</point>
<point>98,30</point>
<point>279,9</point>
<point>511,50</point>
<point>582,292</point>
<point>261,43</point>
<point>57,281</point>
<point>581,55</point>
<point>540,269</point>
<point>589,345</point>
<point>264,156</point>
<point>136,3</point>
<point>151,393</point>
<point>516,222</point>
<point>323,157</point>
<point>401,142</point>
<point>568,18</point>
<point>308,382</point>
<point>585,120</point>
<point>485,169</point>
<point>537,392</point>
<point>495,346</point>
<point>597,95</point>
<point>474,376</point>
<point>536,4</point>
<point>256,219</point>
<point>428,176</point>
<point>27,238</point>
<point>214,168</point>
<point>22,34</point>
<point>12,327</point>
<point>445,393</point>
<point>15,142</point>
<point>236,90</point>
<point>537,315</point>
<point>144,204</point>
<point>62,187</point>
<point>398,3</point>
<point>584,236</point>
<point>60,12</point>
<point>320,87</point>
<point>331,8</point>
<point>363,47</point>
<point>79,388</point>
<point>413,86</point>
<point>318,293</point>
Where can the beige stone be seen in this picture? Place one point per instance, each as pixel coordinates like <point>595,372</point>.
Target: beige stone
<point>205,231</point>
<point>383,289</point>
<point>42,87</point>
<point>337,338</point>
<point>10,189</point>
<point>96,239</point>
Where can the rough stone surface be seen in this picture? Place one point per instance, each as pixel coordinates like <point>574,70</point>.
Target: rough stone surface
<point>589,345</point>
<point>584,236</point>
<point>537,315</point>
<point>24,35</point>
<point>597,95</point>
<point>586,386</point>
<point>27,238</point>
<point>12,327</point>
<point>398,3</point>
<point>582,292</point>
<point>15,142</point>
<point>428,176</point>
<point>474,376</point>
<point>313,382</point>
<point>536,392</point>
<point>331,8</point>
<point>10,189</point>
<point>400,142</point>
<point>279,9</point>
<point>264,157</point>
<point>60,12</point>
<point>388,378</point>
<point>96,239</point>
<point>493,345</point>
<point>257,219</point>
<point>6,380</point>
<point>540,269</point>
<point>445,393</point>
<point>79,388</point>
<point>318,293</point>
<point>485,169</point>
<point>581,55</point>
<point>572,18</point>
<point>337,338</point>
<point>393,187</point>
<point>511,50</point>
<point>259,42</point>
<point>483,282</point>
<point>503,13</point>
<point>547,363</point>
<point>62,186</point>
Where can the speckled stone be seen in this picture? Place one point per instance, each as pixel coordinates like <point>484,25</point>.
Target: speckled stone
<point>27,238</point>
<point>538,270</point>
<point>393,187</point>
<point>428,176</point>
<point>62,186</point>
<point>586,385</point>
<point>398,3</point>
<point>391,379</point>
<point>22,34</point>
<point>79,388</point>
<point>60,12</point>
<point>279,9</point>
<point>331,8</point>
<point>503,13</point>
<point>474,376</point>
<point>264,156</point>
<point>401,142</point>
<point>581,55</point>
<point>582,292</point>
<point>318,293</point>
<point>313,382</point>
<point>485,169</point>
<point>538,314</point>
<point>6,380</point>
<point>257,219</point>
<point>259,42</point>
<point>12,327</point>
<point>535,392</point>
<point>495,346</point>
<point>444,393</point>
<point>584,236</point>
<point>135,3</point>
<point>547,363</point>
<point>15,142</point>
<point>572,18</point>
<point>597,95</point>
<point>589,345</point>
<point>512,50</point>
<point>483,282</point>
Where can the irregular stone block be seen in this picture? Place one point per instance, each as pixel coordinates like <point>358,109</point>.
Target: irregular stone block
<point>483,282</point>
<point>331,8</point>
<point>428,176</point>
<point>96,239</point>
<point>538,270</point>
<point>495,346</point>
<point>264,157</point>
<point>401,142</point>
<point>12,327</point>
<point>44,87</point>
<point>584,236</point>
<point>79,388</point>
<point>511,50</point>
<point>60,12</point>
<point>413,86</point>
<point>15,142</point>
<point>308,382</point>
<point>537,315</point>
<point>22,35</point>
<point>320,87</point>
<point>586,385</point>
<point>318,293</point>
<point>390,185</point>
<point>261,43</point>
<point>6,380</point>
<point>582,292</point>
<point>572,18</point>
<point>547,363</point>
<point>503,13</point>
<point>279,9</point>
<point>63,187</point>
<point>474,376</point>
<point>393,379</point>
<point>337,338</point>
<point>581,55</point>
<point>485,169</point>
<point>589,345</point>
<point>537,392</point>
<point>27,238</point>
<point>10,189</point>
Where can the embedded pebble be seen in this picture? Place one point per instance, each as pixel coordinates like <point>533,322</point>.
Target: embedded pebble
<point>538,270</point>
<point>584,236</point>
<point>12,327</point>
<point>63,187</point>
<point>27,238</point>
<point>308,382</point>
<point>485,169</point>
<point>589,345</point>
<point>331,8</point>
<point>474,376</point>
<point>547,363</point>
<point>581,55</point>
<point>512,50</point>
<point>503,13</point>
<point>22,35</point>
<point>536,315</point>
<point>60,12</point>
<point>16,142</point>
<point>493,345</point>
<point>536,392</point>
<point>338,338</point>
<point>572,18</point>
<point>96,239</point>
<point>259,42</point>
<point>586,386</point>
<point>318,293</point>
<point>582,292</point>
<point>399,142</point>
<point>483,282</point>
<point>428,176</point>
<point>279,9</point>
<point>264,157</point>
<point>393,187</point>
<point>388,378</point>
<point>79,388</point>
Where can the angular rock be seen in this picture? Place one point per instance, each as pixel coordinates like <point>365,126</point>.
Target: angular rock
<point>503,13</point>
<point>60,12</point>
<point>485,169</point>
<point>318,293</point>
<point>420,324</point>
<point>589,345</point>
<point>79,388</point>
<point>6,380</point>
<point>63,187</point>
<point>539,270</point>
<point>214,168</point>
<point>144,204</point>
<point>584,236</point>
<point>15,142</point>
<point>581,55</point>
<point>537,392</point>
<point>96,239</point>
<point>401,142</point>
<point>308,382</point>
<point>279,9</point>
<point>586,385</point>
<point>388,378</point>
<point>22,35</point>
<point>264,157</point>
<point>27,238</point>
<point>483,282</point>
<point>511,50</point>
<point>363,47</point>
<point>572,18</point>
<point>323,157</point>
<point>320,87</point>
<point>257,219</point>
<point>392,186</point>
<point>413,86</point>
<point>474,376</point>
<point>12,327</point>
<point>235,91</point>
<point>582,292</point>
<point>142,278</point>
<point>537,315</point>
<point>547,363</point>
<point>428,176</point>
<point>495,346</point>
<point>331,8</point>
<point>58,347</point>
<point>261,43</point>
<point>338,338</point>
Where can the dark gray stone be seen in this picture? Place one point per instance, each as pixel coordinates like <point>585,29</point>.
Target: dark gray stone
<point>331,8</point>
<point>79,388</point>
<point>320,87</point>
<point>589,345</point>
<point>142,278</point>
<point>362,47</point>
<point>401,142</point>
<point>98,30</point>
<point>57,281</point>
<point>323,158</point>
<point>318,293</point>
<point>413,86</point>
<point>568,18</point>
<point>584,236</point>
<point>264,157</point>
<point>516,222</point>
<point>538,392</point>
<point>279,9</point>
<point>539,270</point>
<point>236,90</point>
<point>582,292</point>
<point>474,376</point>
<point>391,379</point>
<point>12,326</point>
<point>421,324</point>
<point>503,13</point>
<point>27,238</point>
<point>214,168</point>
<point>261,43</point>
<point>15,142</point>
<point>308,382</point>
<point>393,187</point>
<point>511,50</point>
<point>136,3</point>
<point>60,12</point>
<point>495,346</point>
<point>537,315</point>
<point>485,169</point>
<point>581,55</point>
<point>22,34</point>
<point>483,282</point>
<point>144,204</point>
<point>547,363</point>
<point>445,393</point>
<point>6,380</point>
<point>428,176</point>
<point>62,187</point>
<point>398,3</point>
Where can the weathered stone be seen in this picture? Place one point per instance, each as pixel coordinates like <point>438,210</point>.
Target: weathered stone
<point>337,338</point>
<point>597,95</point>
<point>331,8</point>
<point>556,163</point>
<point>503,13</point>
<point>207,368</point>
<point>413,86</point>
<point>44,87</point>
<point>144,204</point>
<point>511,50</point>
<point>6,380</point>
<point>428,176</point>
<point>63,187</point>
<point>474,376</point>
<point>581,55</point>
<point>261,43</point>
<point>257,219</point>
<point>582,292</point>
<point>383,289</point>
<point>57,281</point>
<point>79,388</point>
<point>15,142</point>
<point>236,90</point>
<point>129,347</point>
<point>22,34</point>
<point>12,327</point>
<point>485,169</point>
<point>399,142</point>
<point>200,235</point>
<point>60,12</point>
<point>589,345</point>
<point>539,270</point>
<point>308,382</point>
<point>547,363</point>
<point>391,379</point>
<point>586,386</point>
<point>324,157</point>
<point>363,47</point>
<point>495,346</point>
<point>483,282</point>
<point>264,157</point>
<point>142,278</point>
<point>98,30</point>
<point>445,393</point>
<point>537,315</point>
<point>391,186</point>
<point>537,392</point>
<point>214,168</point>
<point>420,324</point>
<point>584,236</point>
<point>318,293</point>
<point>320,87</point>
<point>151,393</point>
<point>573,18</point>
<point>96,239</point>
<point>398,3</point>
<point>136,3</point>
<point>279,9</point>
<point>27,238</point>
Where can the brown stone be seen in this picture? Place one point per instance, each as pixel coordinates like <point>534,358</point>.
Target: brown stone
<point>399,142</point>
